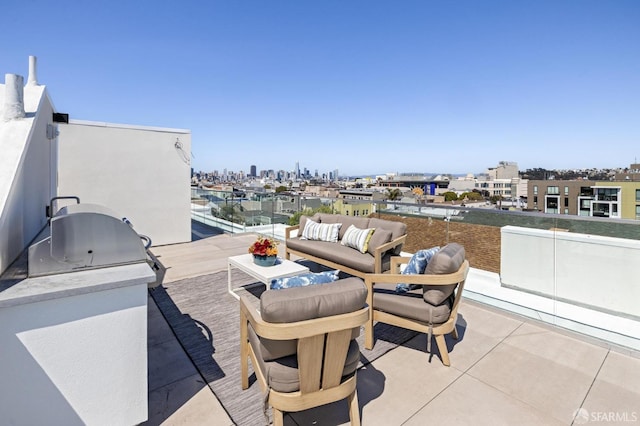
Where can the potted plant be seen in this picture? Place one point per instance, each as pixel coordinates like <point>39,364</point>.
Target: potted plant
<point>264,251</point>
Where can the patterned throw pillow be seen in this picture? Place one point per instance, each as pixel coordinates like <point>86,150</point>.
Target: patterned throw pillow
<point>305,279</point>
<point>357,238</point>
<point>321,231</point>
<point>417,264</point>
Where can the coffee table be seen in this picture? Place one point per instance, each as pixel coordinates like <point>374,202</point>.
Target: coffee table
<point>264,274</point>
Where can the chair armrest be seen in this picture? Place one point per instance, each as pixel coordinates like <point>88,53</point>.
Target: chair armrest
<point>420,279</point>
<point>396,261</point>
<point>377,254</point>
<point>289,229</point>
<point>393,243</point>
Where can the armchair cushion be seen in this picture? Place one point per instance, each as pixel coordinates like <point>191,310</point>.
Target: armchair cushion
<point>410,305</point>
<point>446,261</point>
<point>303,303</point>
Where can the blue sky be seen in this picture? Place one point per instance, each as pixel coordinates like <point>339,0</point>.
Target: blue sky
<point>359,86</point>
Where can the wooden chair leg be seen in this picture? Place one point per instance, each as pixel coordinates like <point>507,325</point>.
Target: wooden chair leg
<point>354,410</point>
<point>368,335</point>
<point>442,347</point>
<point>244,351</point>
<point>454,333</point>
<point>278,417</point>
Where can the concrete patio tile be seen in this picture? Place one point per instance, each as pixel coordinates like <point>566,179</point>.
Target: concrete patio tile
<point>479,331</point>
<point>468,401</point>
<point>186,402</point>
<point>390,390</point>
<point>398,384</point>
<point>615,394</point>
<point>158,330</point>
<point>168,363</point>
<point>547,370</point>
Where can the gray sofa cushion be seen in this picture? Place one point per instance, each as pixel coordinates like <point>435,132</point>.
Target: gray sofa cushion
<point>380,236</point>
<point>336,252</point>
<point>397,229</point>
<point>410,304</point>
<point>446,261</point>
<point>303,303</point>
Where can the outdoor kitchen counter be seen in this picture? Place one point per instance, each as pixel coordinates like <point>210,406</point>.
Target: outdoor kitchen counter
<point>77,340</point>
<point>17,291</point>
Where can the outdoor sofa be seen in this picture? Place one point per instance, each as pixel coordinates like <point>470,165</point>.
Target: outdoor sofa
<point>324,242</point>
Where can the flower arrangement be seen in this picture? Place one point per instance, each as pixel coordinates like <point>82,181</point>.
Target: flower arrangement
<point>264,246</point>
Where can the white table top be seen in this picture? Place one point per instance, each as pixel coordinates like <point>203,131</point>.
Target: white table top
<point>282,268</point>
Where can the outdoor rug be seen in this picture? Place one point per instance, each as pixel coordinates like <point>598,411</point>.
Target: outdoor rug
<point>206,320</point>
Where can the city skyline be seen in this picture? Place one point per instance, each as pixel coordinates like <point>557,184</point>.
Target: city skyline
<point>362,87</point>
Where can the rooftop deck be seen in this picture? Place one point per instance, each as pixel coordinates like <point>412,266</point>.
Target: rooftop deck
<point>505,369</point>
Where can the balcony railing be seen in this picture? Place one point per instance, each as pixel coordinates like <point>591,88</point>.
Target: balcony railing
<point>573,271</point>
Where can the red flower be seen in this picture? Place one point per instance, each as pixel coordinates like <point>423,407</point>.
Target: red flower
<point>264,246</point>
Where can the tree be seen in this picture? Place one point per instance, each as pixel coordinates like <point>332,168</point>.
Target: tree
<point>471,196</point>
<point>450,196</point>
<point>394,194</point>
<point>295,219</point>
<point>495,198</point>
<point>281,188</point>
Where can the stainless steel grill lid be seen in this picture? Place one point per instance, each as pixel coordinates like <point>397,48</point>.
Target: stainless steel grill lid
<point>86,236</point>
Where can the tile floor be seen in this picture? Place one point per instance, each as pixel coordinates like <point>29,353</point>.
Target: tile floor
<point>506,369</point>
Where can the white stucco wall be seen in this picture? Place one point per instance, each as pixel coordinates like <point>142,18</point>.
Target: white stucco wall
<point>26,168</point>
<point>136,171</point>
<point>590,270</point>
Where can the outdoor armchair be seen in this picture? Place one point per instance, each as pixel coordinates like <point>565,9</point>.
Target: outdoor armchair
<point>431,306</point>
<point>302,345</point>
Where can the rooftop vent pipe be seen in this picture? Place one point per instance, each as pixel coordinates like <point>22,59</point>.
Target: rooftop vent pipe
<point>13,97</point>
<point>32,80</point>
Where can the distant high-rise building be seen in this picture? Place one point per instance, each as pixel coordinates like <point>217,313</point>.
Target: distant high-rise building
<point>252,173</point>
<point>297,170</point>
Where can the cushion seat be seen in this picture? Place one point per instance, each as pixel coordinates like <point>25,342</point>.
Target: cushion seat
<point>410,304</point>
<point>337,253</point>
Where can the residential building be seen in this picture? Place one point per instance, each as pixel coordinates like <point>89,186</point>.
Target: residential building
<point>572,197</point>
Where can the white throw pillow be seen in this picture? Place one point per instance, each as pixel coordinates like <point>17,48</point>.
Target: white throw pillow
<point>357,238</point>
<point>321,231</point>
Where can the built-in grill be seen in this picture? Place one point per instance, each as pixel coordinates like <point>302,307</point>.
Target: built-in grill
<point>87,236</point>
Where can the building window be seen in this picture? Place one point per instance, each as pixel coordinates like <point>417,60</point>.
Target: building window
<point>553,190</point>
<point>535,189</point>
<point>566,190</point>
<point>638,195</point>
<point>551,205</point>
<point>566,211</point>
<point>566,202</point>
<point>637,212</point>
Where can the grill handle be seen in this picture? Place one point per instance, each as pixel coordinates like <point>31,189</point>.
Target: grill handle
<point>49,208</point>
<point>147,239</point>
